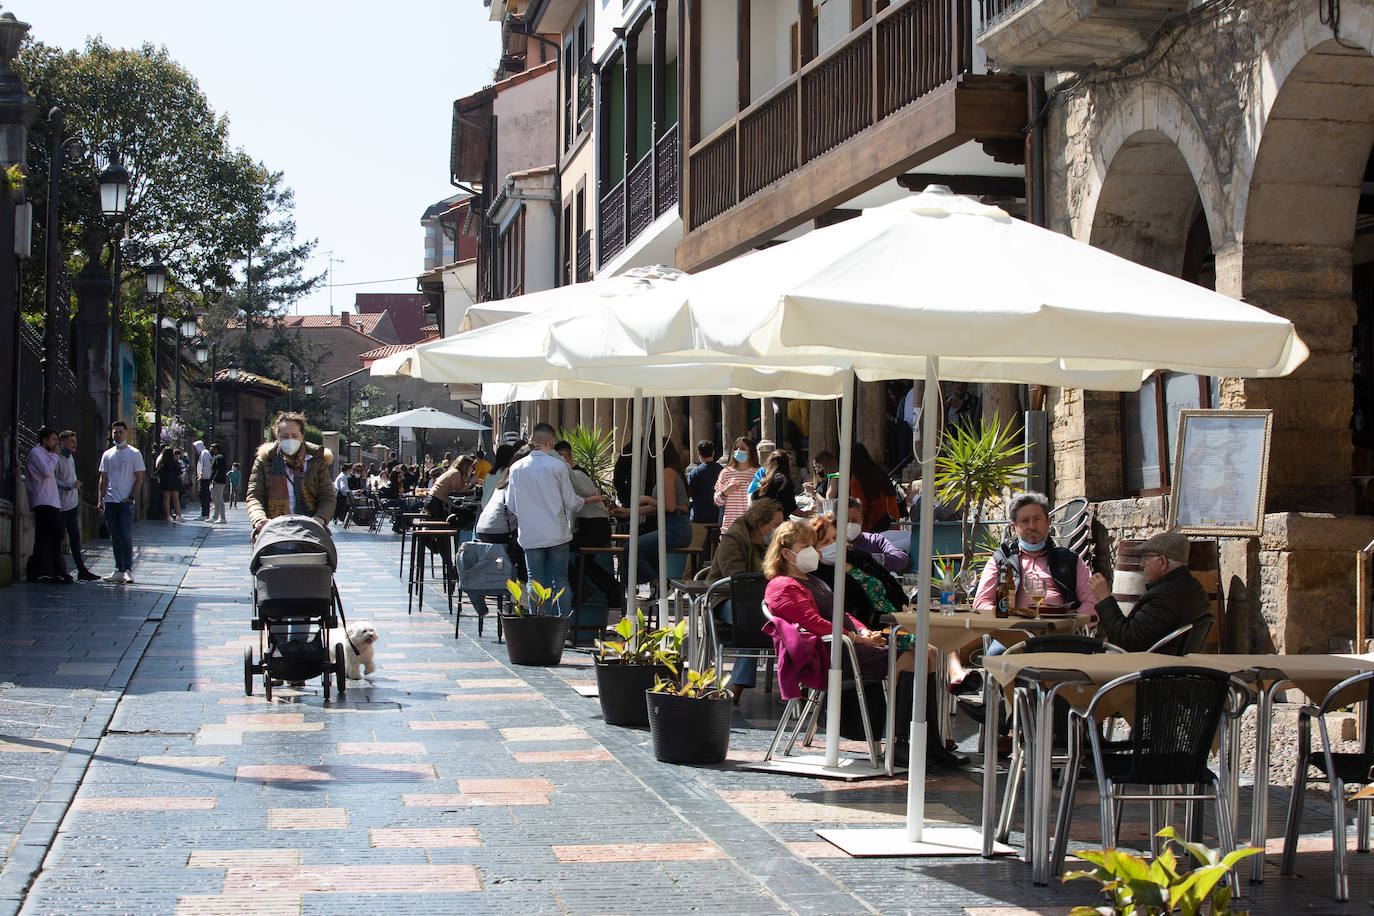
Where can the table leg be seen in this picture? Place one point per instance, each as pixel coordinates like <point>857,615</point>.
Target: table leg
<point>1040,754</point>
<point>1259,806</point>
<point>992,714</point>
<point>941,723</point>
<point>890,726</point>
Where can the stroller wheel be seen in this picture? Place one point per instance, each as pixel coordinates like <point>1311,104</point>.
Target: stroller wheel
<point>338,669</point>
<point>248,671</point>
<point>324,681</point>
<point>266,682</point>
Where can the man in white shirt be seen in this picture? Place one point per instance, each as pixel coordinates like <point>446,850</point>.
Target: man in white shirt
<point>69,493</point>
<point>39,479</point>
<point>204,463</point>
<point>542,497</point>
<point>121,476</point>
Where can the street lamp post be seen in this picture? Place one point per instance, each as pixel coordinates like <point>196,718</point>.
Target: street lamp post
<point>114,203</point>
<point>156,276</point>
<point>186,328</point>
<point>348,421</point>
<point>206,350</point>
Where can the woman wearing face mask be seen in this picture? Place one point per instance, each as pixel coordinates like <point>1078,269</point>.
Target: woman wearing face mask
<point>776,483</point>
<point>732,486</point>
<point>290,476</point>
<point>871,591</point>
<point>889,555</point>
<point>741,551</point>
<point>799,597</point>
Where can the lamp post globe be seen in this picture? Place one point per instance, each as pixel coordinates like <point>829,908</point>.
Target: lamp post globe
<point>114,190</point>
<point>156,276</point>
<point>363,402</point>
<point>232,372</point>
<point>188,327</point>
<point>202,351</point>
<point>309,387</point>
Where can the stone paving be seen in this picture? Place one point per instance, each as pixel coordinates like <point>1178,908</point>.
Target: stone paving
<point>140,779</point>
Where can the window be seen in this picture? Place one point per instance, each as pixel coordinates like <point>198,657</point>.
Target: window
<point>1149,427</point>
<point>513,256</point>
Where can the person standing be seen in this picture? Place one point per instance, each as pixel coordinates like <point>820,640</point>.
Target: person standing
<point>121,476</point>
<point>701,485</point>
<point>732,486</point>
<point>290,476</point>
<point>167,470</point>
<point>543,499</point>
<point>235,481</point>
<point>40,480</point>
<point>69,494</point>
<point>204,462</point>
<point>219,476</point>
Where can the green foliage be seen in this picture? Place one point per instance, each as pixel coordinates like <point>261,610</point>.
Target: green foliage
<point>702,685</point>
<point>640,644</point>
<point>1135,887</point>
<point>593,450</point>
<point>973,468</point>
<point>535,600</point>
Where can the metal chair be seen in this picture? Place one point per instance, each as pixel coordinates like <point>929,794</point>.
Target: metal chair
<point>745,631</point>
<point>1339,768</point>
<point>1179,712</point>
<point>1189,638</point>
<point>1069,525</point>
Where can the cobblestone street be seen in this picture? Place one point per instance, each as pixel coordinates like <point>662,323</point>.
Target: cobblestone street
<point>138,778</point>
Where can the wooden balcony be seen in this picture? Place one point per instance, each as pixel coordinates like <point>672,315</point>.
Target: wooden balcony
<point>894,93</point>
<point>630,207</point>
<point>1029,35</point>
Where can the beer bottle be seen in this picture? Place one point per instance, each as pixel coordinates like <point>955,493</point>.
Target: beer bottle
<point>1006,592</point>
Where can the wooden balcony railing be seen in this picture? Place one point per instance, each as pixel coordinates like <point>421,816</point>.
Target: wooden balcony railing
<point>898,56</point>
<point>651,191</point>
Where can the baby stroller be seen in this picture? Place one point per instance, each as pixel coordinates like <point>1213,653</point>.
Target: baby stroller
<point>295,605</point>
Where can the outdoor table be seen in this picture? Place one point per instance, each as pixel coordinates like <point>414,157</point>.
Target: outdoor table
<point>1075,678</point>
<point>692,592</point>
<point>1314,675</point>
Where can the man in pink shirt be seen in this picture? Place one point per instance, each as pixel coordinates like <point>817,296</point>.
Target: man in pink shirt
<point>39,479</point>
<point>1032,554</point>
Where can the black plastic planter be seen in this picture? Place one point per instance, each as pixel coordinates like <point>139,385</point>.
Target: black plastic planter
<point>689,729</point>
<point>621,689</point>
<point>535,640</point>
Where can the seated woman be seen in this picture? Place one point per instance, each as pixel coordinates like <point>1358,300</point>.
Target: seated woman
<point>741,551</point>
<point>498,525</point>
<point>672,489</point>
<point>776,483</point>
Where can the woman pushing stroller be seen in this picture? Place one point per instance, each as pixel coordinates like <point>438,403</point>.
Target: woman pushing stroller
<point>290,476</point>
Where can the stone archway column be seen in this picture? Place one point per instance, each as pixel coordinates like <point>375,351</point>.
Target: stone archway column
<point>604,417</point>
<point>700,421</point>
<point>734,419</point>
<point>620,422</point>
<point>825,437</point>
<point>675,409</point>
<point>870,417</point>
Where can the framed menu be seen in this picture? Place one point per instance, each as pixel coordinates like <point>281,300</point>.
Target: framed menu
<point>1221,472</point>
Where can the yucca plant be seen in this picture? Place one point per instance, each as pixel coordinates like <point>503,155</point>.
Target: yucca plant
<point>974,467</point>
<point>594,452</point>
<point>1135,887</point>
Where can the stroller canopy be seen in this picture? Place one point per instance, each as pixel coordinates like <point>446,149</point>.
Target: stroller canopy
<point>293,534</point>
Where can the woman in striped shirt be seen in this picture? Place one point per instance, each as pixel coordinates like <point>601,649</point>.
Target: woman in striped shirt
<point>732,486</point>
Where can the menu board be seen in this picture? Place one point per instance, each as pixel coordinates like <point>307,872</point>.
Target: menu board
<point>1221,472</point>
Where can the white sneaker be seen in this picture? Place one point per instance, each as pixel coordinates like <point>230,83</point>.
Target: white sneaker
<point>128,578</point>
<point>116,577</point>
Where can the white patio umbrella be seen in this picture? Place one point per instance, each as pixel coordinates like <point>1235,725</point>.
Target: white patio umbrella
<point>630,283</point>
<point>425,418</point>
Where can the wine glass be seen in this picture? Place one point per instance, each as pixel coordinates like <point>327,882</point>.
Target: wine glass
<point>1035,591</point>
<point>911,584</point>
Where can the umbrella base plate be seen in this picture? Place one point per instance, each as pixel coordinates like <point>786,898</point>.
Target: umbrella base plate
<point>849,768</point>
<point>937,839</point>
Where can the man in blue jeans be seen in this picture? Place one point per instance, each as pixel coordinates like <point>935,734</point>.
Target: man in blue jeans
<point>542,497</point>
<point>121,476</point>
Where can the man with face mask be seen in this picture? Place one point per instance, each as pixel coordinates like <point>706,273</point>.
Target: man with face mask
<point>121,477</point>
<point>1032,554</point>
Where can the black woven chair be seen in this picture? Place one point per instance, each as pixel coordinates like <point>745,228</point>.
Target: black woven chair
<point>745,631</point>
<point>1023,720</point>
<point>1356,767</point>
<point>1178,713</point>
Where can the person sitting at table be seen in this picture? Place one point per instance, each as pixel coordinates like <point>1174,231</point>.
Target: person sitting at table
<point>672,489</point>
<point>887,554</point>
<point>872,592</point>
<point>732,486</point>
<point>504,456</point>
<point>776,483</point>
<point>340,496</point>
<point>480,465</point>
<point>822,466</point>
<point>1173,598</point>
<point>357,480</point>
<point>498,525</point>
<point>764,450</point>
<point>740,551</point>
<point>1032,554</point>
<point>870,483</point>
<point>591,527</point>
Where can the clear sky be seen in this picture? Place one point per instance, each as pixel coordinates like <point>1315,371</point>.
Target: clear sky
<point>351,101</point>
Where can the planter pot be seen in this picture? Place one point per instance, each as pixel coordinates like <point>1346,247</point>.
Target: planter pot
<point>535,640</point>
<point>621,689</point>
<point>689,730</point>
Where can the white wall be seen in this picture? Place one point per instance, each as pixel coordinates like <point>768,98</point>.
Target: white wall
<point>460,283</point>
<point>718,65</point>
<point>539,245</point>
<point>525,122</point>
<point>833,23</point>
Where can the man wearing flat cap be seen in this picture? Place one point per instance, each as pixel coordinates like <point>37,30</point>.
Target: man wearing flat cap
<point>1172,597</point>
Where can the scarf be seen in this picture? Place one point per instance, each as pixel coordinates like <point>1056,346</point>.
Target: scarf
<point>278,480</point>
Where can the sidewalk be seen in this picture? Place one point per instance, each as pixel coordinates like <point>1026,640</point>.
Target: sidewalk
<point>452,783</point>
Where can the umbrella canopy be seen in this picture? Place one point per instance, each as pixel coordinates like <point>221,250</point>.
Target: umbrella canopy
<point>630,283</point>
<point>425,418</point>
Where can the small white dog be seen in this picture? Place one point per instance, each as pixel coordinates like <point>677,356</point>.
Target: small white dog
<point>357,641</point>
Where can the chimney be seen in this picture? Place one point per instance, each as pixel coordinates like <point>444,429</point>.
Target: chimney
<point>343,319</point>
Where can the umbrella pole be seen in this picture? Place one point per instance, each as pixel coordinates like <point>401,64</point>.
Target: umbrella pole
<point>916,774</point>
<point>636,487</point>
<point>659,440</point>
<point>832,697</point>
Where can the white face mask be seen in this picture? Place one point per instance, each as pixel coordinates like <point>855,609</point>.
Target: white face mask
<point>807,559</point>
<point>852,530</point>
<point>828,553</point>
<point>289,447</point>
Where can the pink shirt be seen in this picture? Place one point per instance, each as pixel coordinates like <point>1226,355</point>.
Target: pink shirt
<point>792,601</point>
<point>732,492</point>
<point>1035,565</point>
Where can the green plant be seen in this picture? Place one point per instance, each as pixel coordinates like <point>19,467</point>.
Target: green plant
<point>973,468</point>
<point>594,452</point>
<point>533,600</point>
<point>1135,887</point>
<point>701,685</point>
<point>640,644</point>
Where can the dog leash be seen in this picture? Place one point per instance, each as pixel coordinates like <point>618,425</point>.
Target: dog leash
<point>343,621</point>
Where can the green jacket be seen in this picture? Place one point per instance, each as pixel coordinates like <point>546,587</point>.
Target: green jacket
<point>736,553</point>
<point>318,482</point>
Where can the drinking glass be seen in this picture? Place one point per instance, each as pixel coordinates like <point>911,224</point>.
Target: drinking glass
<point>1035,591</point>
<point>911,584</point>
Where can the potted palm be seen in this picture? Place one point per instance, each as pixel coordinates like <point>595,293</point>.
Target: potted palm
<point>628,666</point>
<point>689,720</point>
<point>534,634</point>
<point>974,468</point>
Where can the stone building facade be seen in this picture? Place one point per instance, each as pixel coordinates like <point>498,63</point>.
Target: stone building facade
<point>1232,151</point>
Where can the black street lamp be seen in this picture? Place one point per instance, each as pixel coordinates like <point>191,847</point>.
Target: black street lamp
<point>155,275</point>
<point>348,420</point>
<point>114,204</point>
<point>206,350</point>
<point>54,319</point>
<point>186,328</point>
<point>309,387</point>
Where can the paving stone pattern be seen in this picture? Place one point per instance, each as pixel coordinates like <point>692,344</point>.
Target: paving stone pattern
<point>450,782</point>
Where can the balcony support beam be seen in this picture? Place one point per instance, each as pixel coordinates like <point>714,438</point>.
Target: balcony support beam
<point>743,43</point>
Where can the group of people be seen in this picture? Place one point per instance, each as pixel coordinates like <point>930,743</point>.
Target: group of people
<point>211,473</point>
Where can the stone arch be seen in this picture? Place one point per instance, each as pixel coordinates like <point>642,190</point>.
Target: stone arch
<point>1154,113</point>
